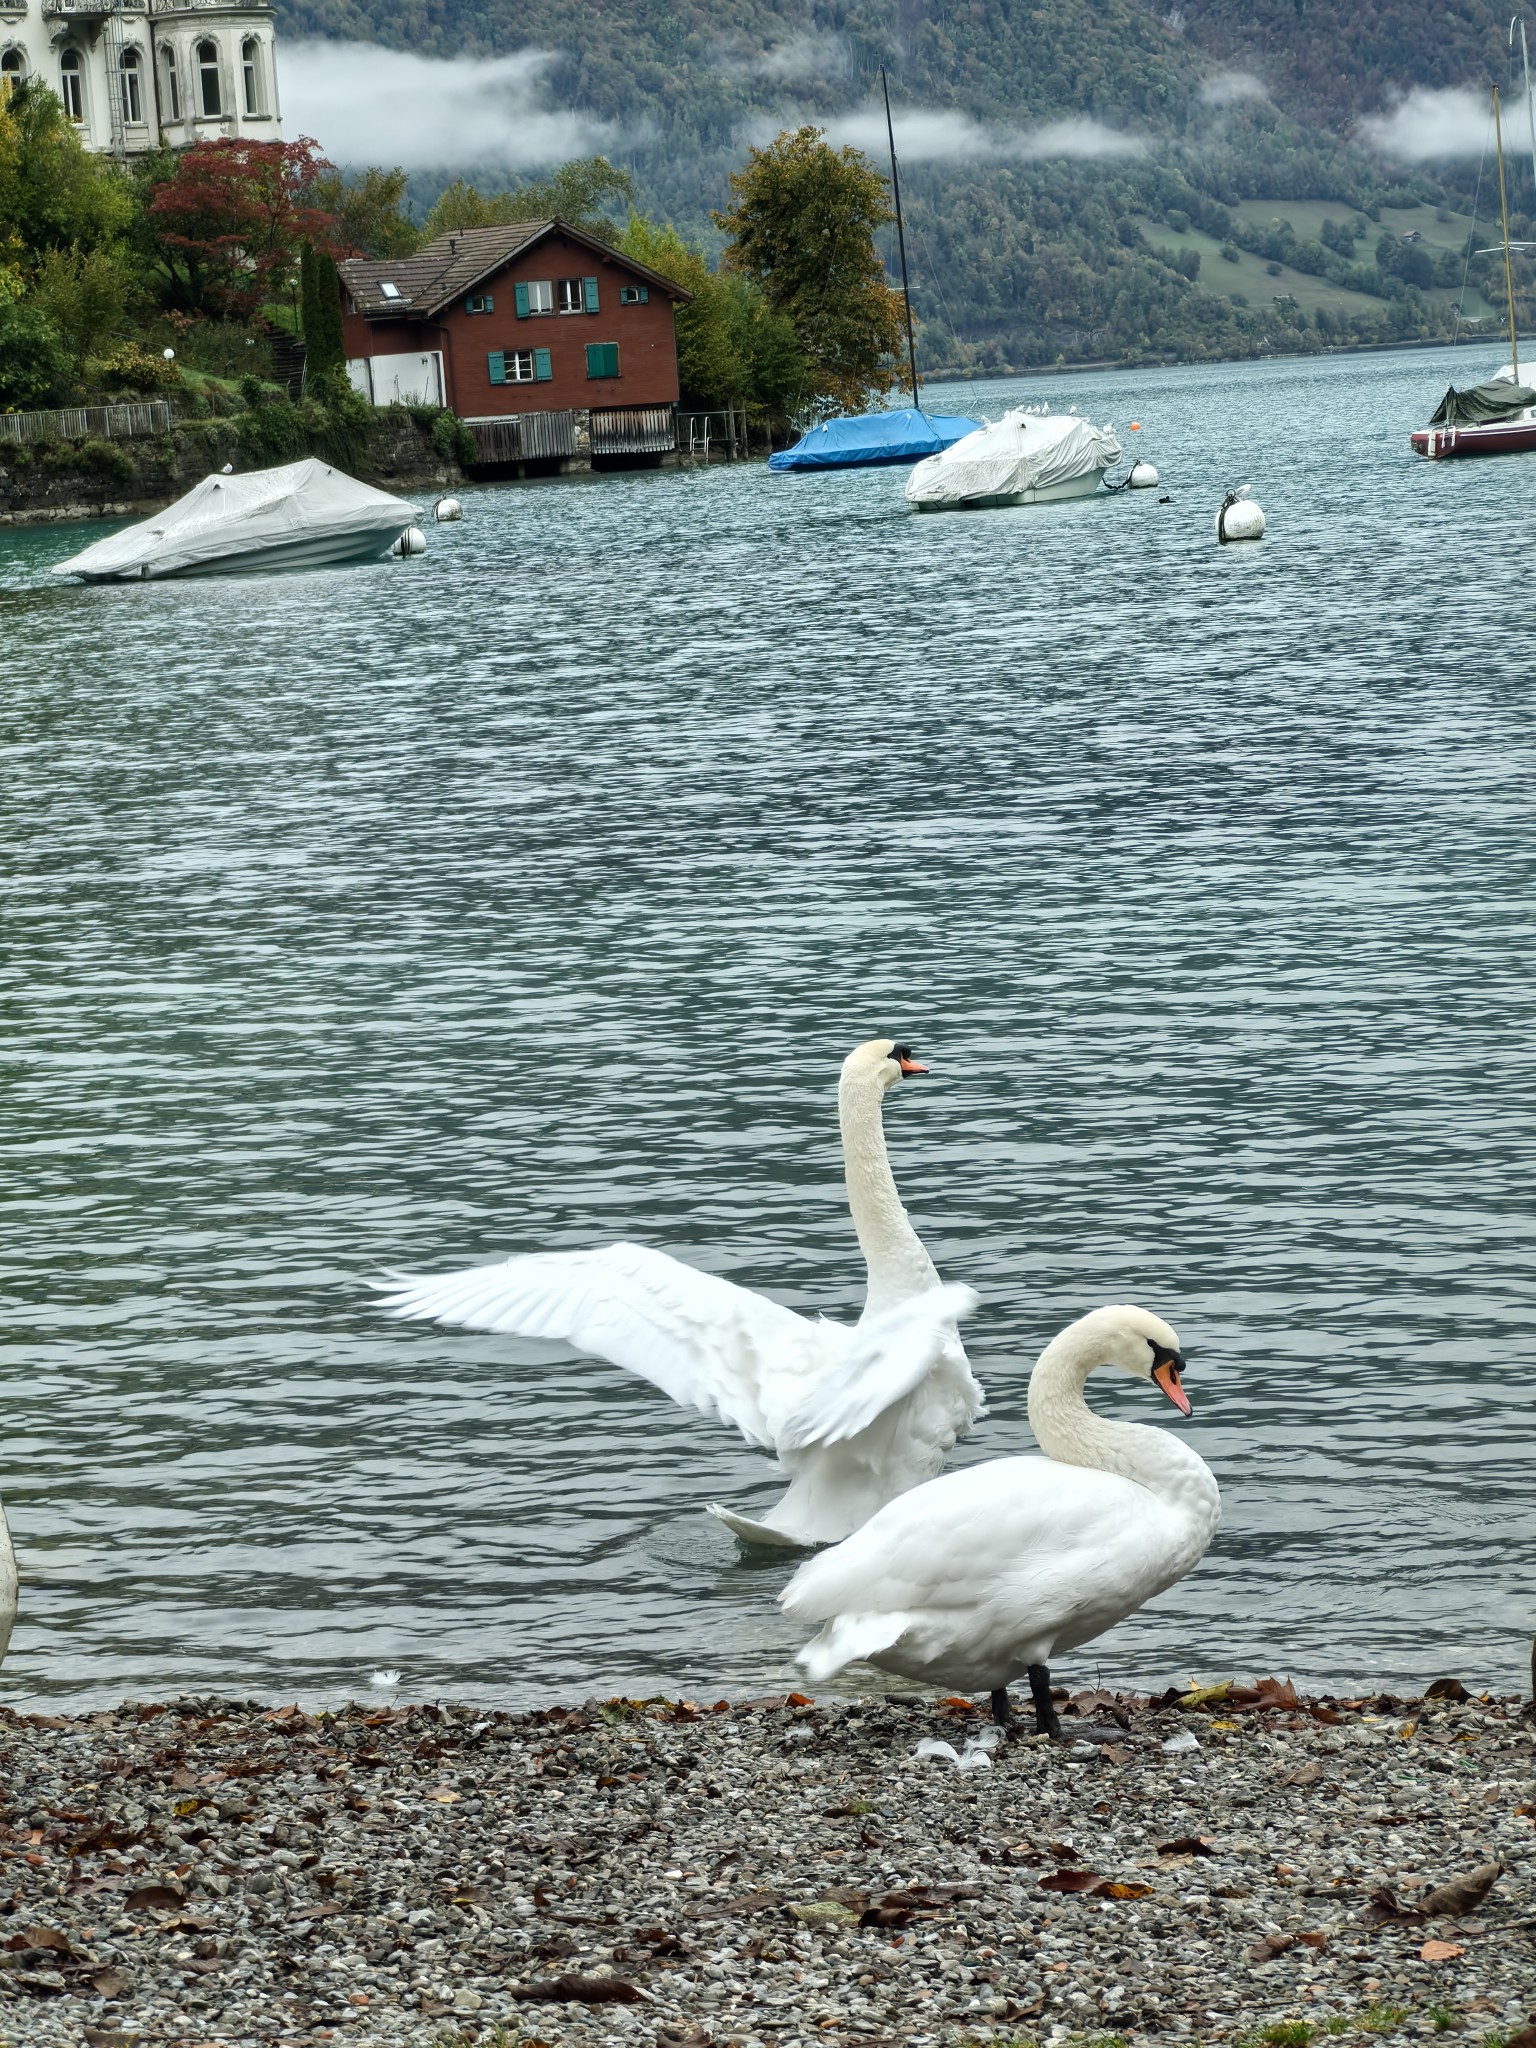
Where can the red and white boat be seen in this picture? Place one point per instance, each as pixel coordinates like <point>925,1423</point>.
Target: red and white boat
<point>1497,418</point>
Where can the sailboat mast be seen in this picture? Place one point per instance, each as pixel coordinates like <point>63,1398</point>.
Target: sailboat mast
<point>1509,280</point>
<point>901,237</point>
<point>1530,104</point>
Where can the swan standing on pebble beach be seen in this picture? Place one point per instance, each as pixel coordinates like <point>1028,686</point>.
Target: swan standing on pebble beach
<point>856,1416</point>
<point>981,1577</point>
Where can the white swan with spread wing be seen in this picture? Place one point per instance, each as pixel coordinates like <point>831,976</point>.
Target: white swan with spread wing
<point>981,1577</point>
<point>856,1415</point>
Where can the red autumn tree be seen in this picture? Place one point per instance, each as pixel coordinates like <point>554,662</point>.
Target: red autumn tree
<point>230,221</point>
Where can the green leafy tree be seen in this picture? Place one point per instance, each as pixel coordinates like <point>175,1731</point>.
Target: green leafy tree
<point>582,192</point>
<point>89,296</point>
<point>34,368</point>
<point>53,193</point>
<point>369,211</point>
<point>802,226</point>
<point>732,348</point>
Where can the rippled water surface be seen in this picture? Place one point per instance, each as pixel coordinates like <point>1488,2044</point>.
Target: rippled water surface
<point>529,895</point>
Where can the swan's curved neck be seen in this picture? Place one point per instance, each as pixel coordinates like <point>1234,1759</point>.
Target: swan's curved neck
<point>899,1267</point>
<point>1068,1430</point>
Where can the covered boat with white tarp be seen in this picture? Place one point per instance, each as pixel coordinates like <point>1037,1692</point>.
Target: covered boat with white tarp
<point>304,515</point>
<point>1025,458</point>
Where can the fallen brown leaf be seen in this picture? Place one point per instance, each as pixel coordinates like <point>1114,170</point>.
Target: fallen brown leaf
<point>1447,1689</point>
<point>1271,1946</point>
<point>1463,1894</point>
<point>1441,1951</point>
<point>1127,1891</point>
<point>583,1990</point>
<point>1309,1774</point>
<point>153,1898</point>
<point>109,1983</point>
<point>1186,1845</point>
<point>1314,1938</point>
<point>1072,1881</point>
<point>1386,1908</point>
<point>39,1937</point>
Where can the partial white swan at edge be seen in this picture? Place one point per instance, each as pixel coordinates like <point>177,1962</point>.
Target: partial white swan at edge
<point>983,1576</point>
<point>856,1416</point>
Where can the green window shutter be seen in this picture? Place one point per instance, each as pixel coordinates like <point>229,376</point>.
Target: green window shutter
<point>589,287</point>
<point>594,359</point>
<point>645,295</point>
<point>496,363</point>
<point>489,303</point>
<point>520,293</point>
<point>610,359</point>
<point>541,369</point>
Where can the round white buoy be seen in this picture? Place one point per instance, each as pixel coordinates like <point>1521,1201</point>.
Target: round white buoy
<point>447,508</point>
<point>1239,518</point>
<point>1142,477</point>
<point>412,542</point>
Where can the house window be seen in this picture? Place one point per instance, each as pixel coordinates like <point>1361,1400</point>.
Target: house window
<point>602,359</point>
<point>172,85</point>
<point>72,85</point>
<point>13,69</point>
<point>250,74</point>
<point>534,298</point>
<point>208,77</point>
<point>634,295</point>
<point>132,88</point>
<point>483,304</point>
<point>519,366</point>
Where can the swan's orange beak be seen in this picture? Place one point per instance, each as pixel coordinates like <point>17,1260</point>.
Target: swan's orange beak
<point>1166,1374</point>
<point>910,1067</point>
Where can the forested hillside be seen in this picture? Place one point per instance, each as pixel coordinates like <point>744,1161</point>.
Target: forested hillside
<point>1084,181</point>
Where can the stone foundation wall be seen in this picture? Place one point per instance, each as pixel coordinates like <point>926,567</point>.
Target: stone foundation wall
<point>46,480</point>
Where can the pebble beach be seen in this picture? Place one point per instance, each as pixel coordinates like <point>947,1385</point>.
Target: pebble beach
<point>1233,1863</point>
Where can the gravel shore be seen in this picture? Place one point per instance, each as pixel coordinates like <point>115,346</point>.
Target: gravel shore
<point>1235,1862</point>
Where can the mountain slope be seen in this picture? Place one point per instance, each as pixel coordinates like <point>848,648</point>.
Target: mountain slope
<point>1049,147</point>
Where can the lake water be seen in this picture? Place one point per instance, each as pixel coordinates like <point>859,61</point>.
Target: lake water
<point>529,895</point>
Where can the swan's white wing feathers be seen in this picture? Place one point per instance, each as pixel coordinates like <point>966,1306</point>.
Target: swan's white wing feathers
<point>706,1342</point>
<point>951,1542</point>
<point>887,1358</point>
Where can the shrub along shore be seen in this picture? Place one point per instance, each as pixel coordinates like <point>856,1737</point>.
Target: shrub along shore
<point>1233,1864</point>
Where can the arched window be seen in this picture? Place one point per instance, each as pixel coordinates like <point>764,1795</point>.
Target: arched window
<point>172,85</point>
<point>250,74</point>
<point>13,69</point>
<point>72,85</point>
<point>132,86</point>
<point>208,77</point>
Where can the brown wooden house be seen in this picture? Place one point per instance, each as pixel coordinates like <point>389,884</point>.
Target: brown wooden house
<point>537,334</point>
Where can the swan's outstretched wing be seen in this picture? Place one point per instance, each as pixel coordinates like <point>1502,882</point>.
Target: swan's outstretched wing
<point>887,1358</point>
<point>706,1342</point>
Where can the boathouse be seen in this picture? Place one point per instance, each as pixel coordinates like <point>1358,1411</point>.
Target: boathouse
<point>547,343</point>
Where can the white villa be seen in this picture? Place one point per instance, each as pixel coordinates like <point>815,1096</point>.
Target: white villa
<point>136,75</point>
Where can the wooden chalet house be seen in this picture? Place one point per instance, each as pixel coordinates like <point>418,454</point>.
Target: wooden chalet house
<point>545,341</point>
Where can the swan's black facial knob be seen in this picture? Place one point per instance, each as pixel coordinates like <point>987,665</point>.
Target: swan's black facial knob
<point>902,1055</point>
<point>1168,1372</point>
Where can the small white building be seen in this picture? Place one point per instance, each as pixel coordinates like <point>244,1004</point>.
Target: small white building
<point>136,75</point>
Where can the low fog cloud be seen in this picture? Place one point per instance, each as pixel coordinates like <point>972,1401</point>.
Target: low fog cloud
<point>1226,88</point>
<point>1426,125</point>
<point>930,135</point>
<point>366,105</point>
<point>805,59</point>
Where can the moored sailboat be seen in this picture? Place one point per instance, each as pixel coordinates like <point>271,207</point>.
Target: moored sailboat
<point>867,439</point>
<point>1499,417</point>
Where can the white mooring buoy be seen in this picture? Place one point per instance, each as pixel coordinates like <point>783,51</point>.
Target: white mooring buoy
<point>1239,518</point>
<point>412,542</point>
<point>1142,477</point>
<point>446,509</point>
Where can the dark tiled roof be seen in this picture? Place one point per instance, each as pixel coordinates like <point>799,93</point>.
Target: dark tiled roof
<point>453,265</point>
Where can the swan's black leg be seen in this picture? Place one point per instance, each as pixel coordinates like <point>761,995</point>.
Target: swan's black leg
<point>1002,1711</point>
<point>1046,1722</point>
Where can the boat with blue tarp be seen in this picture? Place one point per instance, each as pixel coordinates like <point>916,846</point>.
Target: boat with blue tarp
<point>861,440</point>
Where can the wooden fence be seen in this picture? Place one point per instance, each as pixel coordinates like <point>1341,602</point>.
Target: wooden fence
<point>81,422</point>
